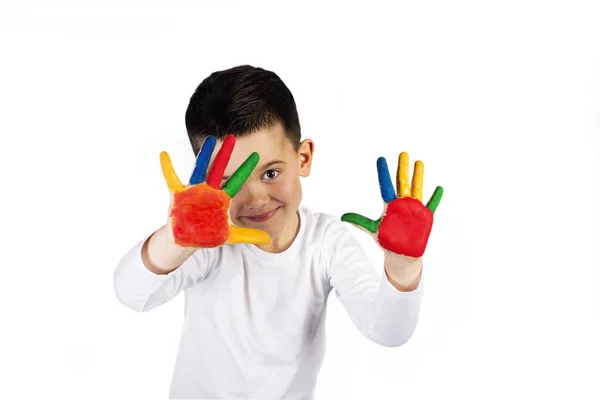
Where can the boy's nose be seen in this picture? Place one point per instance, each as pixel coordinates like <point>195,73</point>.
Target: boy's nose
<point>255,197</point>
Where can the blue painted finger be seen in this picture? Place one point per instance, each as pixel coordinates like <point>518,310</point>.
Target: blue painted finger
<point>199,174</point>
<point>385,181</point>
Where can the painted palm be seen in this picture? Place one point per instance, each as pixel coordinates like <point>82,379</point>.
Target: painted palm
<point>406,223</point>
<point>200,211</point>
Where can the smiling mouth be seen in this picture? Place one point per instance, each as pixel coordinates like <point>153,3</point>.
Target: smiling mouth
<point>263,217</point>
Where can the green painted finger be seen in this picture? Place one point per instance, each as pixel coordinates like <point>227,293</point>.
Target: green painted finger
<point>357,219</point>
<point>236,181</point>
<point>435,199</point>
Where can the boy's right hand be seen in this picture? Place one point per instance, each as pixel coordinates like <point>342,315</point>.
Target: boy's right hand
<point>199,212</point>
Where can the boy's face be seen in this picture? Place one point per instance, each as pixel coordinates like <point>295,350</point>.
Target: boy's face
<point>270,197</point>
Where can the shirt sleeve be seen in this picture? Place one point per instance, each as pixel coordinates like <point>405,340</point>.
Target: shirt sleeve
<point>142,290</point>
<point>381,312</point>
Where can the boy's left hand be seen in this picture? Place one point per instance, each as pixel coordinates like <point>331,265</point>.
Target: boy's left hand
<point>405,225</point>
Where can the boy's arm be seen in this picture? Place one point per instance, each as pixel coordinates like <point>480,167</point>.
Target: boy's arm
<point>155,270</point>
<point>182,252</point>
<point>161,255</point>
<point>383,313</point>
<point>387,311</point>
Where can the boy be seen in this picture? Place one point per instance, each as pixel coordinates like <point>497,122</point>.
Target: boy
<point>256,290</point>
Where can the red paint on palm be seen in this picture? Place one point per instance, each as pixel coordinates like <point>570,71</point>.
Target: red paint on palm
<point>199,217</point>
<point>406,226</point>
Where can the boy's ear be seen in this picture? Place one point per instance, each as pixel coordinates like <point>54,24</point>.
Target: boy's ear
<point>305,156</point>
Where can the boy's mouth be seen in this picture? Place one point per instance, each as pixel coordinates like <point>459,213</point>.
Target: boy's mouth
<point>263,217</point>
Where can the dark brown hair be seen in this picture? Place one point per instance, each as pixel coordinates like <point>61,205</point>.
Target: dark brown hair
<point>241,101</point>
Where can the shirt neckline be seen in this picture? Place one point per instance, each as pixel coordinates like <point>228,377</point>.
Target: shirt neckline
<point>290,251</point>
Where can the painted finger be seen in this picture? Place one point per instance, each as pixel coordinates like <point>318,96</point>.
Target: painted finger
<point>385,182</point>
<point>236,181</point>
<point>359,220</point>
<point>238,234</point>
<point>435,199</point>
<point>169,173</point>
<point>221,161</point>
<point>417,181</point>
<point>199,174</point>
<point>403,185</point>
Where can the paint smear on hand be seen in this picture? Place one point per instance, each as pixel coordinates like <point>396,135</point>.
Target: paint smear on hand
<point>406,227</point>
<point>199,217</point>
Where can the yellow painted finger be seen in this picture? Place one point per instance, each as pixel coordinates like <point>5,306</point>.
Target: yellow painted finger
<point>238,234</point>
<point>169,173</point>
<point>417,181</point>
<point>403,186</point>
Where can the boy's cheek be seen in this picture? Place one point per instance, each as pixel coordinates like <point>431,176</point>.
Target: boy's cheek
<point>288,191</point>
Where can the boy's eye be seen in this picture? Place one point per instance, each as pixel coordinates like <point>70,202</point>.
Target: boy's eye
<point>270,174</point>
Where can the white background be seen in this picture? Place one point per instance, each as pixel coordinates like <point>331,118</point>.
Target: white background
<point>501,102</point>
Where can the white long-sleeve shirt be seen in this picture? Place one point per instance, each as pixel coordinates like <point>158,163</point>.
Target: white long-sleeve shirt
<point>254,321</point>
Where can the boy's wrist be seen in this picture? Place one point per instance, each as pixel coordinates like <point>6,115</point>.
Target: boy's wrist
<point>404,273</point>
<point>161,255</point>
